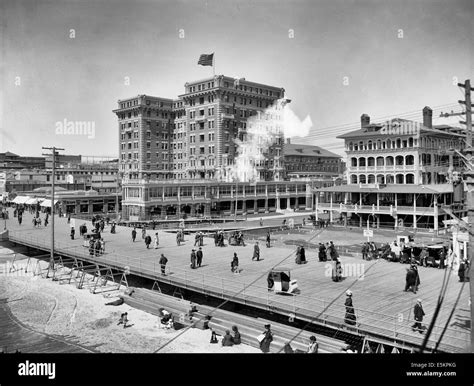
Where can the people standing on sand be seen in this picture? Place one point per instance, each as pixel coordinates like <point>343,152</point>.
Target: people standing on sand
<point>350,317</point>
<point>267,339</point>
<point>199,257</point>
<point>156,241</point>
<point>73,231</point>
<point>162,262</point>
<point>147,241</point>
<point>193,259</point>
<point>123,320</point>
<point>268,239</point>
<point>256,252</point>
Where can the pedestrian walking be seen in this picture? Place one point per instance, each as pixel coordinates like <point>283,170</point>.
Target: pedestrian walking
<point>143,233</point>
<point>147,241</point>
<point>134,234</point>
<point>73,231</point>
<point>46,220</point>
<point>234,264</point>
<point>268,239</point>
<point>462,270</point>
<point>418,314</point>
<point>97,247</point>
<point>199,256</point>
<point>68,218</point>
<point>193,259</point>
<point>156,241</point>
<point>162,262</point>
<point>196,239</point>
<point>256,252</point>
<point>350,317</point>
<point>265,339</point>
<point>91,246</point>
<point>216,238</point>
<point>178,238</point>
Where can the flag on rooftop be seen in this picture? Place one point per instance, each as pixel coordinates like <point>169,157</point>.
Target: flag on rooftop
<point>206,59</point>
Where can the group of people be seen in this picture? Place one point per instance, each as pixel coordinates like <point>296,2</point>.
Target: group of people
<point>237,238</point>
<point>369,251</point>
<point>199,239</point>
<point>196,258</point>
<point>228,339</point>
<point>300,255</point>
<point>327,251</point>
<point>96,246</point>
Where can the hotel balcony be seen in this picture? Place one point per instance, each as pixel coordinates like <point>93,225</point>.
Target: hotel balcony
<point>200,118</point>
<point>227,116</point>
<point>374,209</point>
<point>382,169</point>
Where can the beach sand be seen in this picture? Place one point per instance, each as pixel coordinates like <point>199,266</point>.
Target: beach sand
<point>62,309</point>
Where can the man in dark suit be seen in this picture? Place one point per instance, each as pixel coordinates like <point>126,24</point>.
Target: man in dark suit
<point>418,313</point>
<point>199,257</point>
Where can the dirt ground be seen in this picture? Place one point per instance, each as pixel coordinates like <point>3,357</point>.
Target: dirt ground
<point>64,310</point>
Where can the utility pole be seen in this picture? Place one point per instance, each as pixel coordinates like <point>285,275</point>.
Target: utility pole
<point>53,176</point>
<point>469,179</point>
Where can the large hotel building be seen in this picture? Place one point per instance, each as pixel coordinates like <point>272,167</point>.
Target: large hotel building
<point>219,144</point>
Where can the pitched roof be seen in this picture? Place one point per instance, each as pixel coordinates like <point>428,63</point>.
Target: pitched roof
<point>308,150</point>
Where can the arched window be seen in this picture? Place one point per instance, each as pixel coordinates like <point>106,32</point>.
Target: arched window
<point>389,179</point>
<point>361,161</point>
<point>389,144</point>
<point>356,147</point>
<point>410,142</point>
<point>361,145</point>
<point>409,160</point>
<point>399,178</point>
<point>353,179</point>
<point>369,145</point>
<point>371,179</point>
<point>380,179</point>
<point>409,179</point>
<point>354,162</point>
<point>379,144</point>
<point>399,143</point>
<point>389,161</point>
<point>362,179</point>
<point>380,161</point>
<point>371,161</point>
<point>399,160</point>
<point>384,145</point>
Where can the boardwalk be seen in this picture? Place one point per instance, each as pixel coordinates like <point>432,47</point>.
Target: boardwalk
<point>381,305</point>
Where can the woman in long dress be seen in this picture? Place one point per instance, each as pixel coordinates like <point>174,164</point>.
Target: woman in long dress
<point>156,241</point>
<point>350,317</point>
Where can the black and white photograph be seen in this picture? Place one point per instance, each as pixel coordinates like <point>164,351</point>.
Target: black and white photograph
<point>189,187</point>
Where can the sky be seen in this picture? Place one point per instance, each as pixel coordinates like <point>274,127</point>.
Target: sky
<point>72,60</point>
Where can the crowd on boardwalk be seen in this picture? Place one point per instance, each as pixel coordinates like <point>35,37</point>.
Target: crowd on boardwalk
<point>95,243</point>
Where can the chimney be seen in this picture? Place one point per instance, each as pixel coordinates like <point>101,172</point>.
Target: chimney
<point>428,117</point>
<point>288,141</point>
<point>364,120</point>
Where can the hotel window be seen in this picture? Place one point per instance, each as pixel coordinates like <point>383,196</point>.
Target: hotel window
<point>201,100</point>
<point>201,138</point>
<point>201,112</point>
<point>201,150</point>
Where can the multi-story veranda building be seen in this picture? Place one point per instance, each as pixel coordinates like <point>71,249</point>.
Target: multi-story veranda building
<point>146,200</point>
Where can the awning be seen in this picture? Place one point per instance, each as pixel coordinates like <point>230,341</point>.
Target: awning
<point>31,201</point>
<point>47,203</point>
<point>20,199</point>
